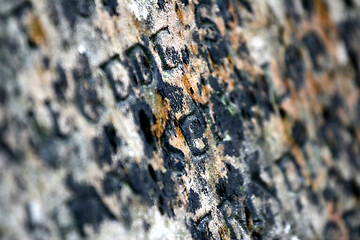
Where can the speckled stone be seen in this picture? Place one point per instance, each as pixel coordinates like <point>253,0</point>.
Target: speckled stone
<point>179,119</point>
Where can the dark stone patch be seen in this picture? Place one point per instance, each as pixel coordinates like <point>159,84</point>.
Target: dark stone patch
<point>215,85</point>
<point>88,99</point>
<point>331,231</point>
<point>308,6</point>
<point>352,222</point>
<point>193,128</point>
<point>137,181</point>
<point>185,2</point>
<point>149,188</point>
<point>194,201</point>
<point>73,8</point>
<point>144,119</point>
<point>353,155</point>
<point>243,51</point>
<point>120,88</point>
<point>86,206</point>
<point>111,183</point>
<point>262,96</point>
<point>161,4</point>
<point>253,163</point>
<point>171,55</point>
<point>330,195</point>
<point>173,94</point>
<point>143,63</point>
<point>168,193</point>
<point>352,188</point>
<point>69,11</point>
<point>313,196</point>
<point>83,69</point>
<point>299,133</point>
<point>46,62</point>
<point>257,185</point>
<point>247,5</point>
<point>3,95</point>
<point>216,45</point>
<point>49,153</point>
<point>102,149</point>
<point>231,212</point>
<point>185,55</point>
<point>291,11</point>
<point>349,3</point>
<point>110,133</point>
<point>174,158</point>
<point>110,6</point>
<point>126,216</point>
<point>299,205</point>
<point>254,222</point>
<point>202,50</point>
<point>146,226</point>
<point>170,58</point>
<point>349,31</point>
<point>295,67</point>
<point>293,180</point>
<point>226,123</point>
<point>330,132</point>
<point>85,7</point>
<point>200,229</point>
<point>244,96</point>
<point>225,13</point>
<point>217,48</point>
<point>152,172</point>
<point>316,50</point>
<point>53,12</point>
<point>358,111</point>
<point>145,126</point>
<point>60,85</point>
<point>229,188</point>
<point>268,214</point>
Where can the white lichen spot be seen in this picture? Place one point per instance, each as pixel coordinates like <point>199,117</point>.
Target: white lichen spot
<point>81,49</point>
<point>141,8</point>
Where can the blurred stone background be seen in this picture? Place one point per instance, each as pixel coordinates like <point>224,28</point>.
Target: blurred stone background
<point>179,119</point>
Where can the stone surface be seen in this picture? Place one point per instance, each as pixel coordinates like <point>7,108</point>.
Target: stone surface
<point>161,119</point>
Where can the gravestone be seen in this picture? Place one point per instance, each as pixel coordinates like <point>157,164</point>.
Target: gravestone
<point>179,119</point>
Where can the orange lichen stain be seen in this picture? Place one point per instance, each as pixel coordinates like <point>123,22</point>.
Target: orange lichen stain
<point>333,211</point>
<point>194,49</point>
<point>221,26</point>
<point>206,92</point>
<point>136,24</point>
<point>311,93</point>
<point>322,13</point>
<point>358,135</point>
<point>179,14</point>
<point>184,195</point>
<point>188,87</point>
<point>326,157</point>
<point>231,61</point>
<point>223,234</point>
<point>178,141</point>
<point>300,160</point>
<point>289,107</point>
<point>275,73</point>
<point>40,72</point>
<point>36,31</point>
<point>161,113</point>
<point>185,188</point>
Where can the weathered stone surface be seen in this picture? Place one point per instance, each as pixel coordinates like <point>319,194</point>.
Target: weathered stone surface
<point>206,119</point>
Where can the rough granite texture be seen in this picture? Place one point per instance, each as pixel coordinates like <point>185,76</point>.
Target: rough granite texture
<point>179,119</point>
